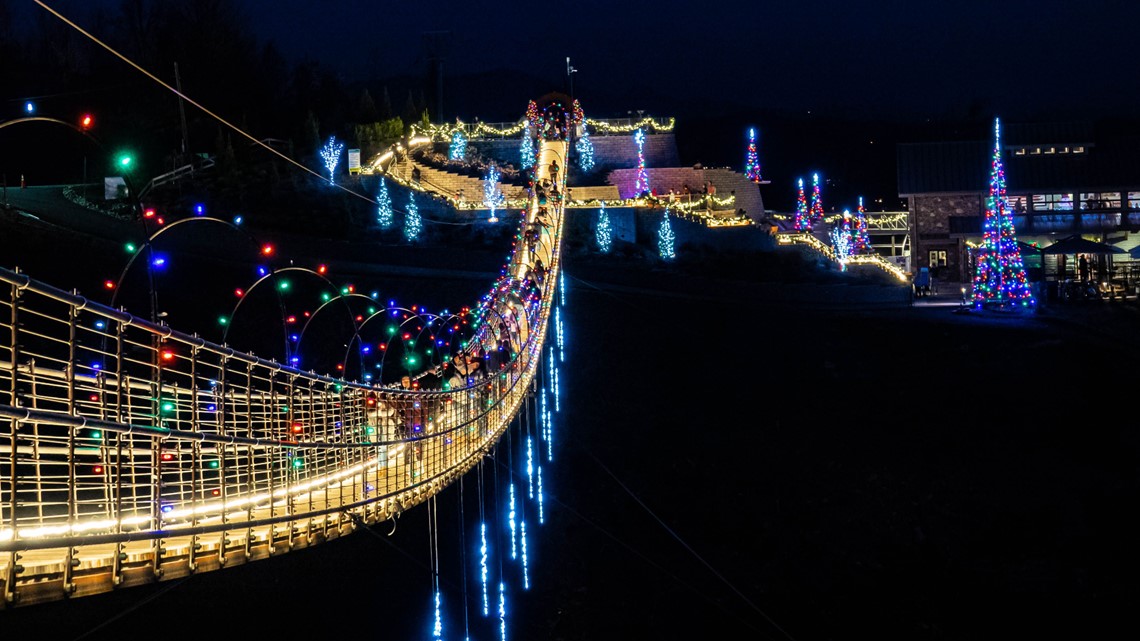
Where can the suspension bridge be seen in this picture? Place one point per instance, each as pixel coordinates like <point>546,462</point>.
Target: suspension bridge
<point>132,453</point>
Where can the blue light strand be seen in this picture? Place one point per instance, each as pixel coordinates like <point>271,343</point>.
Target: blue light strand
<point>511,523</point>
<point>548,433</point>
<point>483,567</point>
<point>541,518</point>
<point>561,341</point>
<point>502,612</point>
<point>525,569</point>
<point>562,289</point>
<point>437,630</point>
<point>530,466</point>
<point>557,396</point>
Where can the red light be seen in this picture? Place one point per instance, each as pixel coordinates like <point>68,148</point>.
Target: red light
<point>359,318</point>
<point>267,250</point>
<point>86,121</point>
<point>161,221</point>
<point>322,269</point>
<point>109,284</point>
<point>167,456</point>
<point>215,492</point>
<point>382,346</point>
<point>340,366</point>
<point>94,397</point>
<point>298,428</point>
<point>149,213</point>
<point>239,293</point>
<point>291,319</point>
<point>306,314</point>
<point>351,289</point>
<point>371,401</point>
<point>98,469</point>
<point>167,355</point>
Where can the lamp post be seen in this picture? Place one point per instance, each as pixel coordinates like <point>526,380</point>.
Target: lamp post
<point>570,71</point>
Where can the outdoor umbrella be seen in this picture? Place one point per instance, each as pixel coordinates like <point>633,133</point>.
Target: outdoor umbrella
<point>1077,245</point>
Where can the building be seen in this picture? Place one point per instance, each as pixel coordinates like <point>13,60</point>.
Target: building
<point>1061,179</point>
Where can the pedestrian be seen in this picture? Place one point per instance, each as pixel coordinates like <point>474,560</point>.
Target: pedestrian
<point>1083,268</point>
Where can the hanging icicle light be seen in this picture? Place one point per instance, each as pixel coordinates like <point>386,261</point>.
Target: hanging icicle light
<point>437,629</point>
<point>483,567</point>
<point>541,519</point>
<point>525,570</point>
<point>511,523</point>
<point>530,466</point>
<point>502,612</point>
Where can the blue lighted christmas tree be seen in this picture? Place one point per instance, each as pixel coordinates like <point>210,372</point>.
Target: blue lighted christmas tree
<point>383,206</point>
<point>752,159</point>
<point>585,152</point>
<point>526,151</point>
<point>330,154</point>
<point>803,217</point>
<point>458,150</point>
<point>1000,280</point>
<point>665,238</point>
<point>603,232</point>
<point>841,237</point>
<point>412,222</point>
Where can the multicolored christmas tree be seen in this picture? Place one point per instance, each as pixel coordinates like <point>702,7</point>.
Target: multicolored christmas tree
<point>841,237</point>
<point>642,185</point>
<point>803,217</point>
<point>816,213</point>
<point>752,159</point>
<point>1000,280</point>
<point>860,238</point>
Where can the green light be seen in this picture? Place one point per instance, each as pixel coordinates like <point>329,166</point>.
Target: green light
<point>96,434</point>
<point>298,463</point>
<point>371,310</point>
<point>213,465</point>
<point>168,407</point>
<point>284,408</point>
<point>283,285</point>
<point>222,320</point>
<point>412,360</point>
<point>344,291</point>
<point>391,329</point>
<point>125,161</point>
<point>371,430</point>
<point>325,296</point>
<point>428,350</point>
<point>131,248</point>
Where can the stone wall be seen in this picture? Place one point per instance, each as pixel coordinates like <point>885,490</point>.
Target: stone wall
<point>662,179</point>
<point>610,152</point>
<point>930,230</point>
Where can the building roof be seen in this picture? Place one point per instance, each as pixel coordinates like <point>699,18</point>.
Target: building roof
<point>964,167</point>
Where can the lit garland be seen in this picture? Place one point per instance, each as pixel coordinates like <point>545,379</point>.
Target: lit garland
<point>602,232</point>
<point>645,123</point>
<point>816,211</point>
<point>412,222</point>
<point>458,149</point>
<point>861,239</point>
<point>330,153</point>
<point>383,206</point>
<point>752,159</point>
<point>492,196</point>
<point>1000,279</point>
<point>788,238</point>
<point>665,238</point>
<point>526,152</point>
<point>585,152</point>
<point>642,185</point>
<point>803,218</point>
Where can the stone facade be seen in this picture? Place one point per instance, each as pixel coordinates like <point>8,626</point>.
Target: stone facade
<point>662,179</point>
<point>609,151</point>
<point>931,230</point>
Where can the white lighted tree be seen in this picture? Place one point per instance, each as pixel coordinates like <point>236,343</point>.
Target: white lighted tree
<point>330,154</point>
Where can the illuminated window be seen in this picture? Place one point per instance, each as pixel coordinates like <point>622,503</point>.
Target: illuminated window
<point>1018,204</point>
<point>1079,150</point>
<point>1052,202</point>
<point>1134,200</point>
<point>1102,200</point>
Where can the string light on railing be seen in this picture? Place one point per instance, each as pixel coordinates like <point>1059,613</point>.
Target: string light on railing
<point>644,123</point>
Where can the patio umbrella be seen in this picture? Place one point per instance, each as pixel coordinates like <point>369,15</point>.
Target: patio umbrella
<point>1077,245</point>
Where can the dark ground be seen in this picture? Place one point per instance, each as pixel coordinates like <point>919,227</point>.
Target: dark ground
<point>724,467</point>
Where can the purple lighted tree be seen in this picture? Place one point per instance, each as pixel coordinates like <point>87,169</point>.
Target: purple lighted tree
<point>1000,280</point>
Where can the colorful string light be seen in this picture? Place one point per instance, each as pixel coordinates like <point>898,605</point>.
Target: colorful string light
<point>752,159</point>
<point>803,217</point>
<point>816,211</point>
<point>860,237</point>
<point>642,185</point>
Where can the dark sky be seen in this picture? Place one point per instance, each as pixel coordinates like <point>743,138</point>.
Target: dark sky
<point>884,59</point>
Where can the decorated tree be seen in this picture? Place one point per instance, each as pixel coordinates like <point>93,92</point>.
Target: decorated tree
<point>412,222</point>
<point>493,196</point>
<point>752,159</point>
<point>330,154</point>
<point>603,231</point>
<point>1000,280</point>
<point>803,216</point>
<point>816,211</point>
<point>526,151</point>
<point>860,238</point>
<point>841,237</point>
<point>458,149</point>
<point>642,185</point>
<point>383,206</point>
<point>666,238</point>
<point>585,152</point>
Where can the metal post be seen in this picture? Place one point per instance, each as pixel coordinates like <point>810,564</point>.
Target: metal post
<point>14,429</point>
<point>72,492</point>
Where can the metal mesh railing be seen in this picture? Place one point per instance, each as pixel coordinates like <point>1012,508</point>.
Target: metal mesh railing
<point>125,444</point>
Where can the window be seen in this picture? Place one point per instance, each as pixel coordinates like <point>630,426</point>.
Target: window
<point>1052,202</point>
<point>937,257</point>
<point>1102,200</point>
<point>1018,204</point>
<point>1134,200</point>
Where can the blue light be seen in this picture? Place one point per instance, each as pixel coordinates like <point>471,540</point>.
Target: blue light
<point>100,324</point>
<point>159,262</point>
<point>437,630</point>
<point>374,295</point>
<point>261,271</point>
<point>530,466</point>
<point>511,523</point>
<point>29,107</point>
<point>294,337</point>
<point>238,219</point>
<point>167,508</point>
<point>526,573</point>
<point>366,349</point>
<point>502,612</point>
<point>295,359</point>
<point>541,519</point>
<point>199,210</point>
<point>96,366</point>
<point>483,567</point>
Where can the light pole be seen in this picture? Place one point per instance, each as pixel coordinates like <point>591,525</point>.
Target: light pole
<point>569,75</point>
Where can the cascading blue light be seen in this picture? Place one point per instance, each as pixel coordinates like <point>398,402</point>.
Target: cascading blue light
<point>525,569</point>
<point>530,467</point>
<point>483,567</point>
<point>512,524</point>
<point>541,518</point>
<point>437,629</point>
<point>557,396</point>
<point>546,431</point>
<point>502,612</point>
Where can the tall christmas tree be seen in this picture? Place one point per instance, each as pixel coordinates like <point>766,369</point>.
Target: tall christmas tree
<point>752,159</point>
<point>383,206</point>
<point>816,213</point>
<point>526,151</point>
<point>1000,280</point>
<point>458,149</point>
<point>803,217</point>
<point>666,238</point>
<point>585,152</point>
<point>603,232</point>
<point>841,237</point>
<point>860,238</point>
<point>412,222</point>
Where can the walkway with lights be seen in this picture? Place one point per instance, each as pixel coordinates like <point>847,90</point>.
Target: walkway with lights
<point>132,453</point>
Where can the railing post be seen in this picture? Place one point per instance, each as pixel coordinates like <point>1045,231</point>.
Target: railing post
<point>14,568</point>
<point>122,387</point>
<point>156,456</point>
<point>196,485</point>
<point>72,491</point>
<point>220,400</point>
